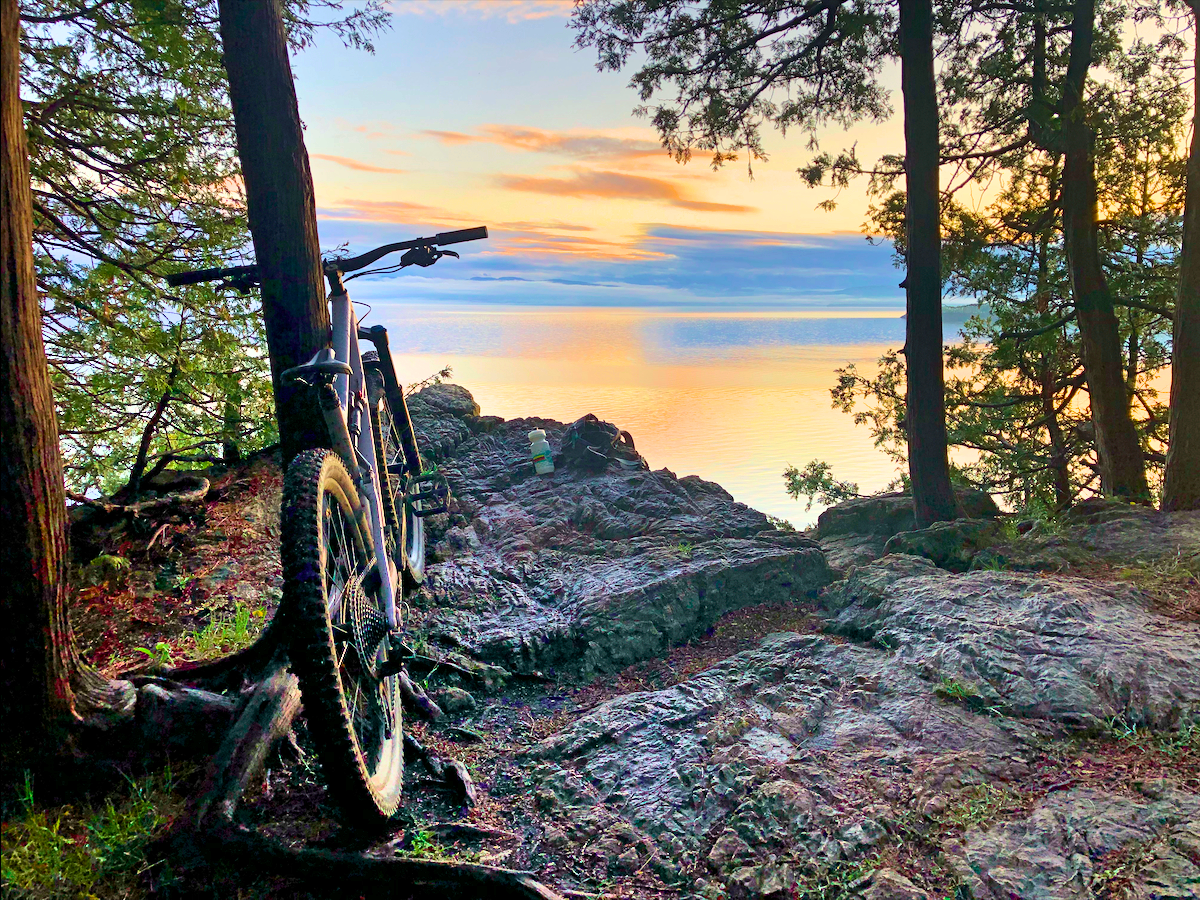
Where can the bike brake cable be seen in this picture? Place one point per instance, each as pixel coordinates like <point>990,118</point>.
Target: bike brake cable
<point>384,270</point>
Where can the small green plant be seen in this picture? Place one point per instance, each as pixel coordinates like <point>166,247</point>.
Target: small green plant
<point>838,879</point>
<point>989,562</point>
<point>1008,529</point>
<point>422,844</point>
<point>953,689</point>
<point>1173,744</point>
<point>685,549</point>
<point>436,378</point>
<point>159,656</point>
<point>1047,519</point>
<point>982,803</point>
<point>780,524</point>
<point>227,632</point>
<point>1172,580</point>
<point>966,694</point>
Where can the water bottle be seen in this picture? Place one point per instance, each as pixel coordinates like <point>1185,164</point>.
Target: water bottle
<point>539,449</point>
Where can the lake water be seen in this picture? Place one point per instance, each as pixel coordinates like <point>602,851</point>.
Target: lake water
<point>731,397</point>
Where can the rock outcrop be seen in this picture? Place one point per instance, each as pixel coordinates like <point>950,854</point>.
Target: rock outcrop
<point>593,572</point>
<point>921,712</point>
<point>1100,531</point>
<point>1068,650</point>
<point>856,532</point>
<point>807,753</point>
<point>1056,852</point>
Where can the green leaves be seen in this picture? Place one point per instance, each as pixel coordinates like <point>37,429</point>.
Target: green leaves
<point>135,175</point>
<point>713,73</point>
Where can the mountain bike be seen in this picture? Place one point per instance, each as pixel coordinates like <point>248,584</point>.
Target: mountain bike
<point>352,537</point>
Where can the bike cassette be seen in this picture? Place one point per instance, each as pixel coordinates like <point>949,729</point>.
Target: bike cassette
<point>364,627</point>
<point>428,494</point>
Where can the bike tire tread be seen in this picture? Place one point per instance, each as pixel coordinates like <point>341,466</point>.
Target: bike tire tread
<point>313,652</point>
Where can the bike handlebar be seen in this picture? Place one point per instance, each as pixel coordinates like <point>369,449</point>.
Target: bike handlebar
<point>354,263</point>
<point>349,264</point>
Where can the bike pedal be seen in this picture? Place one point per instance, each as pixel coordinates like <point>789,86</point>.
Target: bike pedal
<point>434,499</point>
<point>390,667</point>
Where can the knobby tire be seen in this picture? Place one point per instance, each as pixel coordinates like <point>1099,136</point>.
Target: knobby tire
<point>362,763</point>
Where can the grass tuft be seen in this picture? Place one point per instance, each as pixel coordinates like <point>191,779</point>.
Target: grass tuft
<point>90,851</point>
<point>226,633</point>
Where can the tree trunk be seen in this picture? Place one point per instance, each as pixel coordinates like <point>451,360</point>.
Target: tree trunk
<point>44,684</point>
<point>281,207</point>
<point>231,431</point>
<point>925,415</point>
<point>1181,487</point>
<point>1122,468</point>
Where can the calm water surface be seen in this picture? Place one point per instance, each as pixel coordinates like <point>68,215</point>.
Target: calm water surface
<point>731,397</point>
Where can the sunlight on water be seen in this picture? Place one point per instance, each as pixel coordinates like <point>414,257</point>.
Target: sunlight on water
<point>733,398</point>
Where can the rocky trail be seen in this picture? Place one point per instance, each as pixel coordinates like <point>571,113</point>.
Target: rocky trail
<point>660,694</point>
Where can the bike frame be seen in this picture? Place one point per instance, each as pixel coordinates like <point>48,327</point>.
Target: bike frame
<point>343,396</point>
<point>355,419</point>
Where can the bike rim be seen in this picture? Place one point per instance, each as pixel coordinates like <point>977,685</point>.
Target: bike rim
<point>393,455</point>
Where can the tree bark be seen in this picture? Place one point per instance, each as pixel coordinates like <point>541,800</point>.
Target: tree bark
<point>925,414</point>
<point>1181,487</point>
<point>1122,468</point>
<point>44,684</point>
<point>281,207</point>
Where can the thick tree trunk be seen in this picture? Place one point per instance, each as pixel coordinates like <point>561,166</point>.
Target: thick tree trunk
<point>44,685</point>
<point>1122,468</point>
<point>925,415</point>
<point>281,206</point>
<point>1181,488</point>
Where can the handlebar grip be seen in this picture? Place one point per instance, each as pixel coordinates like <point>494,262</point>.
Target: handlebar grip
<point>457,237</point>
<point>179,279</point>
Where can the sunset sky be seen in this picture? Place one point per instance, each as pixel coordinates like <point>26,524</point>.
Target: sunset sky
<point>482,112</point>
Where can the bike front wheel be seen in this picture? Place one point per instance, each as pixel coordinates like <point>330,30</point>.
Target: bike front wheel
<point>339,638</point>
<point>409,527</point>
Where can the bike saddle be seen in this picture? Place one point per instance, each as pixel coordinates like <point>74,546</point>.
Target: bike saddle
<point>323,365</point>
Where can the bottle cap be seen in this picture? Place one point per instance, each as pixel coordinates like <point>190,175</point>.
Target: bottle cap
<point>537,434</point>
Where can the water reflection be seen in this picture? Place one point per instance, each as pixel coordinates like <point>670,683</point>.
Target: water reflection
<point>732,398</point>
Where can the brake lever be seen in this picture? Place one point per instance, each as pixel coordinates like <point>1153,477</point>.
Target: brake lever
<point>425,256</point>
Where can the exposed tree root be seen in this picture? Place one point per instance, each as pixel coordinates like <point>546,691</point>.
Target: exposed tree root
<point>470,831</point>
<point>451,773</point>
<point>210,832</point>
<point>416,700</point>
<point>392,876</point>
<point>265,719</point>
<point>176,498</point>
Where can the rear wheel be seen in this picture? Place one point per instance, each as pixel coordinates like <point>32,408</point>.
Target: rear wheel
<point>339,638</point>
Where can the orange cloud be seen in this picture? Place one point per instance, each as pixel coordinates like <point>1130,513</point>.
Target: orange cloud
<point>543,226</point>
<point>614,186</point>
<point>452,137</point>
<point>356,165</point>
<point>532,242</point>
<point>582,145</point>
<point>512,10</point>
<point>386,211</point>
